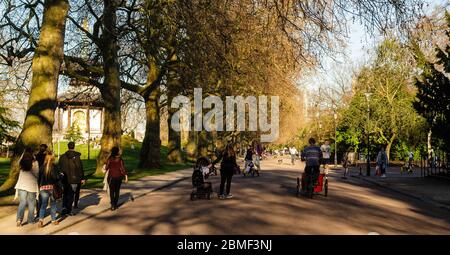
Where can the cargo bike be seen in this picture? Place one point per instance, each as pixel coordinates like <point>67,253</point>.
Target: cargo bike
<point>307,187</point>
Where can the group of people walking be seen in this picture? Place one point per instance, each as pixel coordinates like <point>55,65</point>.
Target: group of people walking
<point>229,166</point>
<point>42,182</point>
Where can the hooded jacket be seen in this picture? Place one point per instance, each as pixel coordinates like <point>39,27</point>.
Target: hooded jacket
<point>72,168</point>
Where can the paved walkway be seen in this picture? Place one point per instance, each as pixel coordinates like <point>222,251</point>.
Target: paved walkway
<point>94,202</point>
<point>262,205</point>
<point>427,189</point>
<point>268,205</point>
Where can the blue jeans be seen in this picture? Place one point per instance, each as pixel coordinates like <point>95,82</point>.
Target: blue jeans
<point>47,196</point>
<point>27,199</point>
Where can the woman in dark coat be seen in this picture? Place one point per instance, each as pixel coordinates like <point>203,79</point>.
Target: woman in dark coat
<point>227,167</point>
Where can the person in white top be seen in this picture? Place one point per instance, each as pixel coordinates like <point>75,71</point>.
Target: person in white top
<point>293,152</point>
<point>27,186</point>
<point>326,153</point>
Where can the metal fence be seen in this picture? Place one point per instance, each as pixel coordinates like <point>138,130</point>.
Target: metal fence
<point>438,165</point>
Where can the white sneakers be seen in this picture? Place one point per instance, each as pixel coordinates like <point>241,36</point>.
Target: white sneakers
<point>225,196</point>
<point>383,176</point>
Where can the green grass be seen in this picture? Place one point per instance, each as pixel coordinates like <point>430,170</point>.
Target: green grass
<point>82,148</point>
<point>130,156</point>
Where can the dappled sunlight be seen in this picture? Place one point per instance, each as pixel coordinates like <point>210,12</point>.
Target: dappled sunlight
<point>266,205</point>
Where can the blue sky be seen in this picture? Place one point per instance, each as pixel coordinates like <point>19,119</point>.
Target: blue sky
<point>357,52</point>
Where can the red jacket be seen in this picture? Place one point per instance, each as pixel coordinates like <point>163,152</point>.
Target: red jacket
<point>116,167</point>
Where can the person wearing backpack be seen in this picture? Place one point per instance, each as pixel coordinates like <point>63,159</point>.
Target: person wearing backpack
<point>115,169</point>
<point>71,166</point>
<point>47,180</point>
<point>382,161</point>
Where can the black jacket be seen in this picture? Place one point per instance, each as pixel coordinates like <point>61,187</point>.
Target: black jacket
<point>40,157</point>
<point>48,180</point>
<point>72,168</point>
<point>228,163</point>
<point>249,154</point>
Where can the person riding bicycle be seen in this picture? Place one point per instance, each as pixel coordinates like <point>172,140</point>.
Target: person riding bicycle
<point>312,155</point>
<point>410,159</point>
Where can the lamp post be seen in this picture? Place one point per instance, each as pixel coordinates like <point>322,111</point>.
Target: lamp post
<point>368,94</point>
<point>335,140</point>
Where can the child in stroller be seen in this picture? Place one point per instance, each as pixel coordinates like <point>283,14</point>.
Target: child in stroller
<point>201,172</point>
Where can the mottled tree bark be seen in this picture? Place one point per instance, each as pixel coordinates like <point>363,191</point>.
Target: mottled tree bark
<point>110,89</point>
<point>204,143</point>
<point>47,59</point>
<point>150,152</point>
<point>191,146</point>
<point>174,146</point>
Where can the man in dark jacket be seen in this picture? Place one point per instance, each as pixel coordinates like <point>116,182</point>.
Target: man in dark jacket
<point>40,156</point>
<point>312,154</point>
<point>71,166</point>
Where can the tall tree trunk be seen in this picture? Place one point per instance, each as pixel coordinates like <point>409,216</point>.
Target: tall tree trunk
<point>191,147</point>
<point>429,136</point>
<point>150,152</point>
<point>389,145</point>
<point>174,146</point>
<point>203,143</point>
<point>47,59</point>
<point>110,90</point>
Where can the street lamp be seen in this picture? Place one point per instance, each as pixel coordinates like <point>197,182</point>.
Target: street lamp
<point>335,140</point>
<point>368,94</point>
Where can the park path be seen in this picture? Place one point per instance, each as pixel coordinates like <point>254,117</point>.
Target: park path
<point>94,202</point>
<point>268,205</point>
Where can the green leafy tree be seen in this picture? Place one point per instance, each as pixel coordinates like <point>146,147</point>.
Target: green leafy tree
<point>433,96</point>
<point>6,125</point>
<point>392,116</point>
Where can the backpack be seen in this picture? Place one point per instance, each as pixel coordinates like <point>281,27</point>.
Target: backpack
<point>197,178</point>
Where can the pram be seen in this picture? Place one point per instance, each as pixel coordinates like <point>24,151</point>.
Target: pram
<point>202,189</point>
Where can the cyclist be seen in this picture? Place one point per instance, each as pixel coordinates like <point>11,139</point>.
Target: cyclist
<point>312,154</point>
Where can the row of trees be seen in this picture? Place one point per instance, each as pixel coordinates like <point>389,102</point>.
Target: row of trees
<point>167,47</point>
<point>399,99</point>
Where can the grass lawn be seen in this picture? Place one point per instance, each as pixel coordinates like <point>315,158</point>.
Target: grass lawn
<point>129,154</point>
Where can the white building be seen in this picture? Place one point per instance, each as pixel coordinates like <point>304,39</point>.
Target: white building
<point>82,109</point>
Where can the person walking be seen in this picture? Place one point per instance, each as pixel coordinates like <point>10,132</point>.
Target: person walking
<point>345,164</point>
<point>326,153</point>
<point>410,159</point>
<point>47,180</point>
<point>27,186</point>
<point>76,196</point>
<point>116,172</point>
<point>257,155</point>
<point>40,157</point>
<point>248,158</point>
<point>293,152</point>
<point>71,166</point>
<point>382,161</point>
<point>227,167</point>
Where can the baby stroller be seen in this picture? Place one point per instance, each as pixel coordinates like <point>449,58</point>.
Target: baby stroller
<point>202,189</point>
